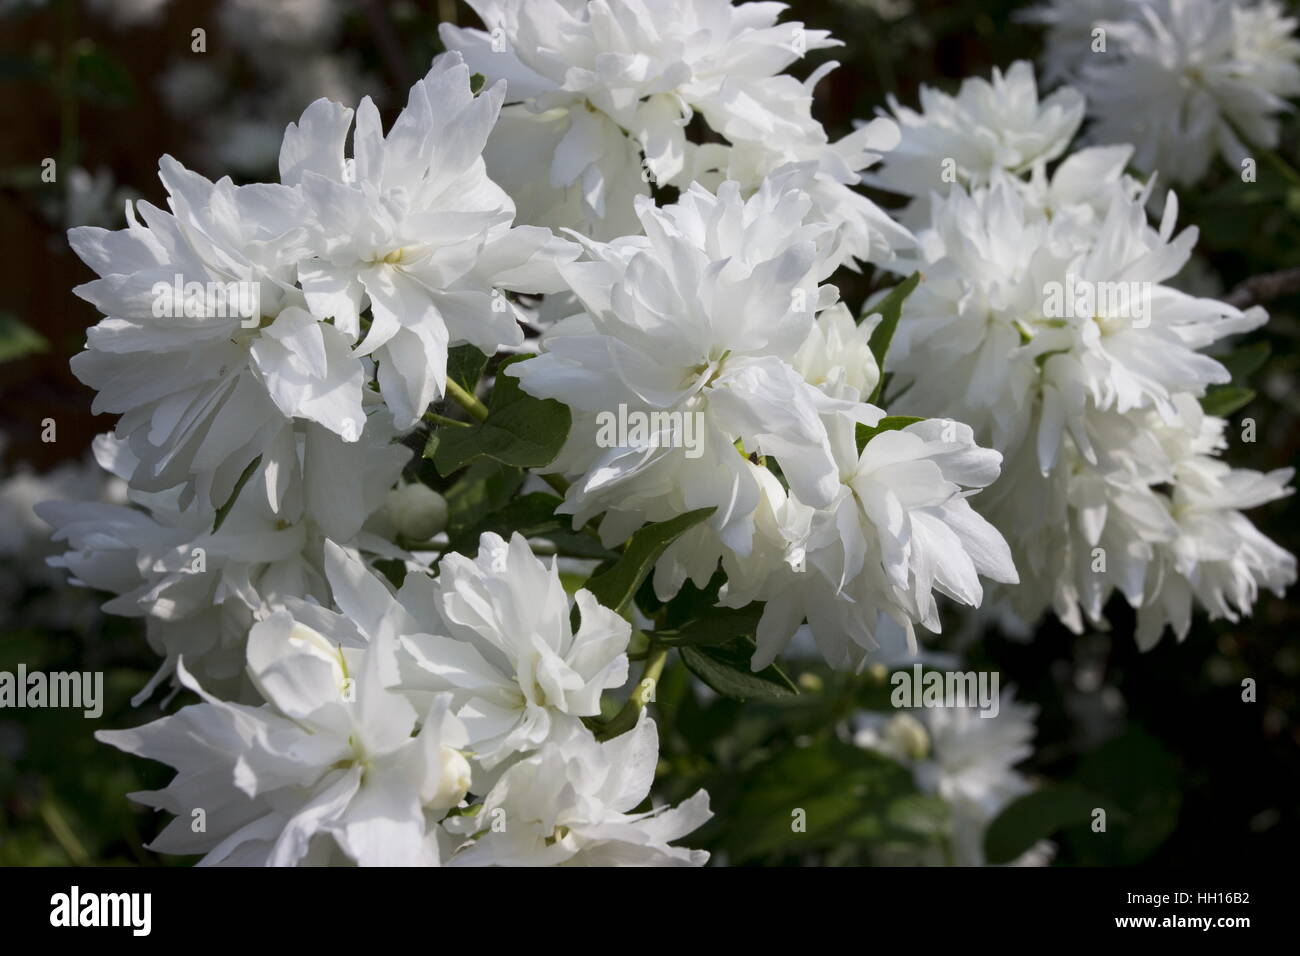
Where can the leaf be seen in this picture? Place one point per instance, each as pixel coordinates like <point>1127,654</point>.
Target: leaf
<point>234,495</point>
<point>531,514</point>
<point>1036,816</point>
<point>465,365</point>
<point>520,430</point>
<point>890,423</point>
<point>1222,400</point>
<point>1244,362</point>
<point>836,791</point>
<point>726,669</point>
<point>1140,786</point>
<point>614,588</point>
<point>889,308</point>
<point>17,340</point>
<point>716,626</point>
<point>485,487</point>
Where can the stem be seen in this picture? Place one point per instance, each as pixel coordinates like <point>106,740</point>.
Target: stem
<point>1264,288</point>
<point>626,718</point>
<point>1282,166</point>
<point>63,833</point>
<point>433,418</point>
<point>466,400</point>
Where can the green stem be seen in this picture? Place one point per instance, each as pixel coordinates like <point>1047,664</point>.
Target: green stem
<point>433,418</point>
<point>626,718</point>
<point>466,401</point>
<point>62,832</point>
<point>1288,171</point>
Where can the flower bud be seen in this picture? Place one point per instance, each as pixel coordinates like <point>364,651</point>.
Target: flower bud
<point>908,737</point>
<point>417,512</point>
<point>453,780</point>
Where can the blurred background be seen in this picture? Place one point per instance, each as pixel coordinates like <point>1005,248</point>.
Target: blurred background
<point>105,87</point>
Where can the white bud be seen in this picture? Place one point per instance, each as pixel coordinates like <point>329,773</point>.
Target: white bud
<point>453,782</point>
<point>908,736</point>
<point>418,512</point>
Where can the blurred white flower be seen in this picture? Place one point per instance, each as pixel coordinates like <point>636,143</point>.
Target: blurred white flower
<point>964,758</point>
<point>1072,31</point>
<point>1183,80</point>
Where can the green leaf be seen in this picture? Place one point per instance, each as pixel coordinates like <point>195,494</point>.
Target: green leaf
<point>17,340</point>
<point>890,423</point>
<point>532,515</point>
<point>1223,400</point>
<point>726,669</point>
<point>1036,816</point>
<point>837,792</point>
<point>465,364</point>
<point>520,430</point>
<point>234,495</point>
<point>485,487</point>
<point>889,308</point>
<point>1142,792</point>
<point>715,626</point>
<point>1244,362</point>
<point>614,588</point>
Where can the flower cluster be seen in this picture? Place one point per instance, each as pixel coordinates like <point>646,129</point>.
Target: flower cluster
<point>1047,323</point>
<point>1181,80</point>
<point>602,95</point>
<point>386,673</point>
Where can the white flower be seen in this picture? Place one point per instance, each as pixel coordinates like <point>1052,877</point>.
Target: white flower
<point>1187,79</point>
<point>698,319</point>
<point>201,393</point>
<point>417,511</point>
<point>596,86</point>
<point>961,755</point>
<point>504,645</point>
<point>1216,556</point>
<point>986,129</point>
<point>333,765</point>
<point>862,570</point>
<point>200,590</point>
<point>1072,31</point>
<point>837,352</point>
<point>571,804</point>
<point>824,170</point>
<point>1018,309</point>
<point>412,224</point>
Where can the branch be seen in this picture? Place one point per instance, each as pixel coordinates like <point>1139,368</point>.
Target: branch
<point>1264,288</point>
